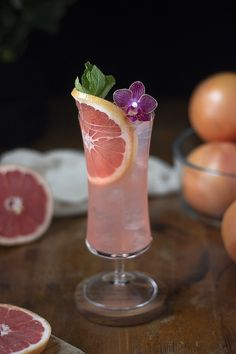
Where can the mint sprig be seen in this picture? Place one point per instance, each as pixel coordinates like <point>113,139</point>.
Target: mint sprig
<point>94,82</point>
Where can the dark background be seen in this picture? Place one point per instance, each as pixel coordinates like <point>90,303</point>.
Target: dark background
<point>169,49</point>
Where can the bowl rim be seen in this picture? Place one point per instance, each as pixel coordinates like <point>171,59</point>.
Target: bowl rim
<point>180,158</point>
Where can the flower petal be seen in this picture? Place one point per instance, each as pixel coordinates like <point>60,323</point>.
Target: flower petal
<point>147,103</point>
<point>144,117</point>
<point>132,118</point>
<point>138,89</point>
<point>122,97</point>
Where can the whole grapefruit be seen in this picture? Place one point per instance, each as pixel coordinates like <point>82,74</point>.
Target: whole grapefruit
<point>212,107</point>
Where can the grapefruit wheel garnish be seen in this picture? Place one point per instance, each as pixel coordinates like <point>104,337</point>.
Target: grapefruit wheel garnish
<point>22,331</point>
<point>108,137</point>
<point>26,205</point>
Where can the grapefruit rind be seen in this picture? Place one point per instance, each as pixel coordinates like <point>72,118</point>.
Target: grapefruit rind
<point>41,345</point>
<point>42,228</point>
<point>127,133</point>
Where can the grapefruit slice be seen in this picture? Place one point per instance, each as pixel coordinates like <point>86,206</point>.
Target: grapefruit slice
<point>26,205</point>
<point>108,136</point>
<point>22,331</point>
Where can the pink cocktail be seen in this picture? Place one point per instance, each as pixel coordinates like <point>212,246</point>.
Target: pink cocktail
<point>116,139</point>
<point>118,218</point>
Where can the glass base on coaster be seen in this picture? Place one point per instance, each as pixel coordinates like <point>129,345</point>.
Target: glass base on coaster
<point>130,299</point>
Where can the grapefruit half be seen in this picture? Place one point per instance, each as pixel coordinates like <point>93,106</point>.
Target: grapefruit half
<point>108,137</point>
<point>22,331</point>
<point>26,205</point>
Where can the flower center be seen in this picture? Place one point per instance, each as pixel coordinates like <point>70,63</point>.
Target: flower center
<point>14,205</point>
<point>134,104</point>
<point>4,329</point>
<point>133,109</point>
<point>88,141</point>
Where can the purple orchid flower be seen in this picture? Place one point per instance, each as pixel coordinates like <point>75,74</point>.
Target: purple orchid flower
<point>135,102</point>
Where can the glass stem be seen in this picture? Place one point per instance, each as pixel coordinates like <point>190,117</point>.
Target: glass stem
<point>119,273</point>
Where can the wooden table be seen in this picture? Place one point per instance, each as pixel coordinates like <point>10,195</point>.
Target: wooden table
<point>187,255</point>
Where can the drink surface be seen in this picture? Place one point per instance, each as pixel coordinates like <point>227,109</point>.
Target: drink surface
<point>118,218</point>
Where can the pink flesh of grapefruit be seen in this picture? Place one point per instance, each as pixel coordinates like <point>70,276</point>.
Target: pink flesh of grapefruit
<point>104,146</point>
<point>22,331</point>
<point>108,138</point>
<point>26,205</point>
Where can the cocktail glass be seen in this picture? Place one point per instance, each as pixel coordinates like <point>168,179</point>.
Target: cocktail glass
<point>118,229</point>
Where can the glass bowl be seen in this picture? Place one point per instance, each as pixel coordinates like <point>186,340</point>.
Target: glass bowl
<point>205,193</point>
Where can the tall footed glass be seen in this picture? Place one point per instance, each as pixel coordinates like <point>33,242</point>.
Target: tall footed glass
<point>118,226</point>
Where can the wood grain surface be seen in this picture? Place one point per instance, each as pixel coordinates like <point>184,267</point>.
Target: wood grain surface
<point>186,255</point>
<point>58,346</point>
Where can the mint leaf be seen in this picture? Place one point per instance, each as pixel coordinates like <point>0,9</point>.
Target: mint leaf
<point>94,82</point>
<point>98,81</point>
<point>78,86</point>
<point>84,78</point>
<point>109,83</point>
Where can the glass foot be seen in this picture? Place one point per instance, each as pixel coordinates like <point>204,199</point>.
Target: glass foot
<point>133,290</point>
<point>136,298</point>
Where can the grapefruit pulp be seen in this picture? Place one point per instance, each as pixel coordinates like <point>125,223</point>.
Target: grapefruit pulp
<point>108,136</point>
<point>26,205</point>
<point>22,331</point>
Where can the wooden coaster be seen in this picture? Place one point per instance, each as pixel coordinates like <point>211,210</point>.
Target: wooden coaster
<point>108,317</point>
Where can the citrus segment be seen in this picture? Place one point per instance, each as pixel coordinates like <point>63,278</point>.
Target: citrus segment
<point>22,331</point>
<point>108,138</point>
<point>26,205</point>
